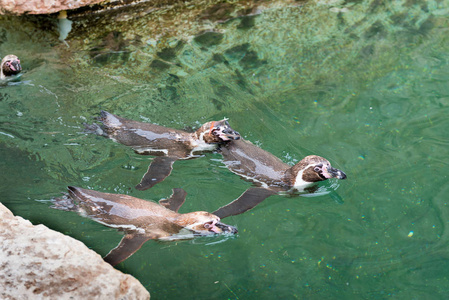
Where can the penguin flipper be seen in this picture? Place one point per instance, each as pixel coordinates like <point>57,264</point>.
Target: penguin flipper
<point>159,169</point>
<point>129,244</point>
<point>175,201</point>
<point>248,200</point>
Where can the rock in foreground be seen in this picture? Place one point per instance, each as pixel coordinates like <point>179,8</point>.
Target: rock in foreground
<point>37,263</point>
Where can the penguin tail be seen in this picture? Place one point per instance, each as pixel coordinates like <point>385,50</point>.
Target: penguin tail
<point>65,203</point>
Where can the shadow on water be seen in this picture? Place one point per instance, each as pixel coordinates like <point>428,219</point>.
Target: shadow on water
<point>361,83</point>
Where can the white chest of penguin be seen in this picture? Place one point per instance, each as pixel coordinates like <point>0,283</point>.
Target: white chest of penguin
<point>300,184</point>
<point>184,234</point>
<point>200,145</point>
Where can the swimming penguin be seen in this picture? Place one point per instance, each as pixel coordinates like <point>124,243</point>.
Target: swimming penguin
<point>141,220</point>
<point>167,144</point>
<point>9,66</point>
<point>269,174</point>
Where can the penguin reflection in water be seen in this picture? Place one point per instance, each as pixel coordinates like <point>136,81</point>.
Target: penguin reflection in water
<point>140,219</point>
<point>167,144</point>
<point>269,174</point>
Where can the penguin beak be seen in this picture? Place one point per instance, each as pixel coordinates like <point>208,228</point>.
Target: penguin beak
<point>336,173</point>
<point>217,227</point>
<point>226,228</point>
<point>15,66</point>
<point>231,134</point>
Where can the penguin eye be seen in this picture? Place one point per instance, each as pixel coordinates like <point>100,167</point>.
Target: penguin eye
<point>209,224</point>
<point>318,168</point>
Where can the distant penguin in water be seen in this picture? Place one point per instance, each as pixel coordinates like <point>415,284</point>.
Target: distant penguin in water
<point>167,144</point>
<point>10,66</point>
<point>141,220</point>
<point>269,174</point>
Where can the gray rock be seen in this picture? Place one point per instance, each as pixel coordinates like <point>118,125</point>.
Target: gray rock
<point>39,263</point>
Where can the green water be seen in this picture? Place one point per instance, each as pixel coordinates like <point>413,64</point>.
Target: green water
<point>363,83</point>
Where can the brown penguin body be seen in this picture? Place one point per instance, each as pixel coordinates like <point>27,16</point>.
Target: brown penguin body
<point>255,164</point>
<point>141,220</point>
<point>167,144</point>
<point>269,174</point>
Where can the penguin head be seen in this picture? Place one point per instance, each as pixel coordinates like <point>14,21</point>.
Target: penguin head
<point>204,223</point>
<point>314,168</point>
<point>218,132</point>
<point>11,65</point>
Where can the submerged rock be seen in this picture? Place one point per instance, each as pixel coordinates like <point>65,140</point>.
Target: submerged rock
<point>37,262</point>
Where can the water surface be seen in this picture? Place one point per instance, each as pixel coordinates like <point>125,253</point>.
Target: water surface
<point>362,83</point>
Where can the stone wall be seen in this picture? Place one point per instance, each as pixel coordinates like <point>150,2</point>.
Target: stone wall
<point>39,263</point>
<point>41,6</point>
